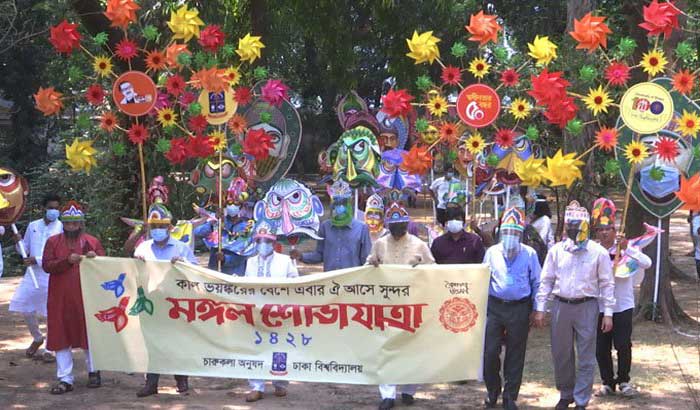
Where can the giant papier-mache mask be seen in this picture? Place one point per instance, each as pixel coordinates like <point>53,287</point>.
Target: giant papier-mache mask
<point>374,213</point>
<point>13,195</point>
<point>291,208</point>
<point>358,157</point>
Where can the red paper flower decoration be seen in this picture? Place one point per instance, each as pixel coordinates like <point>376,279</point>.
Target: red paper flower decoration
<point>666,148</point>
<point>417,160</point>
<point>95,95</point>
<point>108,121</point>
<point>138,134</point>
<point>505,137</point>
<point>237,124</point>
<point>65,37</point>
<point>660,18</point>
<point>274,92</point>
<point>212,79</point>
<point>617,73</point>
<point>562,112</point>
<point>448,133</point>
<point>173,51</point>
<point>155,60</point>
<point>121,12</point>
<point>483,28</point>
<point>606,138</point>
<point>451,75</point>
<point>178,153</point>
<point>548,87</point>
<point>197,124</point>
<point>510,78</point>
<point>187,98</point>
<point>258,143</point>
<point>590,32</point>
<point>48,101</point>
<point>211,38</point>
<point>396,103</point>
<point>175,85</point>
<point>242,95</point>
<point>200,146</point>
<point>683,82</point>
<point>127,49</point>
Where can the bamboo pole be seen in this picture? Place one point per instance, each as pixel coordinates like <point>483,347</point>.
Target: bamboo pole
<point>221,215</point>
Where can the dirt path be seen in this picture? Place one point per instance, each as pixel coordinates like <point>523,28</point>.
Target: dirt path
<point>24,383</point>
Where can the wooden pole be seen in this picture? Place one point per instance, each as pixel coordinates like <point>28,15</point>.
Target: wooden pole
<point>221,210</point>
<point>144,206</point>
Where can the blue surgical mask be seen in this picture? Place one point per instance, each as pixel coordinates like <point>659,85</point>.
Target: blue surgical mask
<point>233,210</point>
<point>52,214</point>
<point>159,234</point>
<point>264,248</point>
<point>665,186</point>
<point>339,209</point>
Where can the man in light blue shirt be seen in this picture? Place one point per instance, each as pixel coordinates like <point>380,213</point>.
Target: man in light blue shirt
<point>515,278</point>
<point>162,247</point>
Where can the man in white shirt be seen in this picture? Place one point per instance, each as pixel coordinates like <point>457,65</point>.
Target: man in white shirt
<point>268,264</point>
<point>27,299</point>
<point>603,217</point>
<point>439,189</point>
<point>576,275</point>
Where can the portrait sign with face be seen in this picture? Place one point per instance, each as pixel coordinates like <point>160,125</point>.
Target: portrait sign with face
<point>655,179</point>
<point>134,93</point>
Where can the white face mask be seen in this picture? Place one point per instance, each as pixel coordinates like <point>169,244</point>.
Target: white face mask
<point>454,226</point>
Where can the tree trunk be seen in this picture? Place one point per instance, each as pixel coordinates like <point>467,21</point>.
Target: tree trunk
<point>575,9</point>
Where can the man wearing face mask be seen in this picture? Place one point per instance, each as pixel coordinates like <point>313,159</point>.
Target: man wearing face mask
<point>268,265</point>
<point>578,275</point>
<point>27,299</point>
<point>400,247</point>
<point>162,247</point>
<point>457,245</point>
<point>66,314</point>
<point>438,190</point>
<point>346,241</point>
<point>515,278</point>
<point>603,216</point>
<point>231,262</point>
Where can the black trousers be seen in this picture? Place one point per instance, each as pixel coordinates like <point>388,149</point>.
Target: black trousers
<point>621,337</point>
<point>152,378</point>
<point>509,323</point>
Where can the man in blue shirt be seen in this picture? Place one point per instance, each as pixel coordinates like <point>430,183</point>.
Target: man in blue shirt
<point>515,278</point>
<point>162,247</point>
<point>232,263</point>
<point>346,241</point>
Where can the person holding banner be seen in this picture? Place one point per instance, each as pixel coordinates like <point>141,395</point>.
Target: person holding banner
<point>578,274</point>
<point>346,241</point>
<point>603,216</point>
<point>66,314</point>
<point>400,247</point>
<point>268,264</point>
<point>457,245</point>
<point>515,278</point>
<point>163,247</point>
<point>29,300</point>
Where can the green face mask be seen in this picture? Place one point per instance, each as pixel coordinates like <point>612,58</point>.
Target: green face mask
<point>341,212</point>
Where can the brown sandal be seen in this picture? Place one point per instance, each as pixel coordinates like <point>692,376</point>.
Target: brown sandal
<point>61,387</point>
<point>32,349</point>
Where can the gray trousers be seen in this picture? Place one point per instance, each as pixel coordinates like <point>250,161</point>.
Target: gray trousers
<point>574,324</point>
<point>509,323</point>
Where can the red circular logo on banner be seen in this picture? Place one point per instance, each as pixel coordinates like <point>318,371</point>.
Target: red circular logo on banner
<point>478,105</point>
<point>134,93</point>
<point>458,315</point>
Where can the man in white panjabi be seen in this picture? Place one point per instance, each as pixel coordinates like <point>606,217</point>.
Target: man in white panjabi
<point>399,247</point>
<point>268,264</point>
<point>27,299</point>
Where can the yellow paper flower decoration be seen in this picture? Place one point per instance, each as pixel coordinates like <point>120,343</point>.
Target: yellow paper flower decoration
<point>530,171</point>
<point>479,67</point>
<point>520,108</point>
<point>654,62</point>
<point>232,76</point>
<point>689,124</point>
<point>542,50</point>
<point>636,152</point>
<point>185,23</point>
<point>475,144</point>
<point>218,140</point>
<point>102,66</point>
<point>598,100</point>
<point>80,155</point>
<point>562,169</point>
<point>249,48</point>
<point>437,105</point>
<point>167,117</point>
<point>423,47</point>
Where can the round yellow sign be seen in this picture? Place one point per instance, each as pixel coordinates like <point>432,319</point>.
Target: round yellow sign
<point>646,108</point>
<point>219,107</point>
